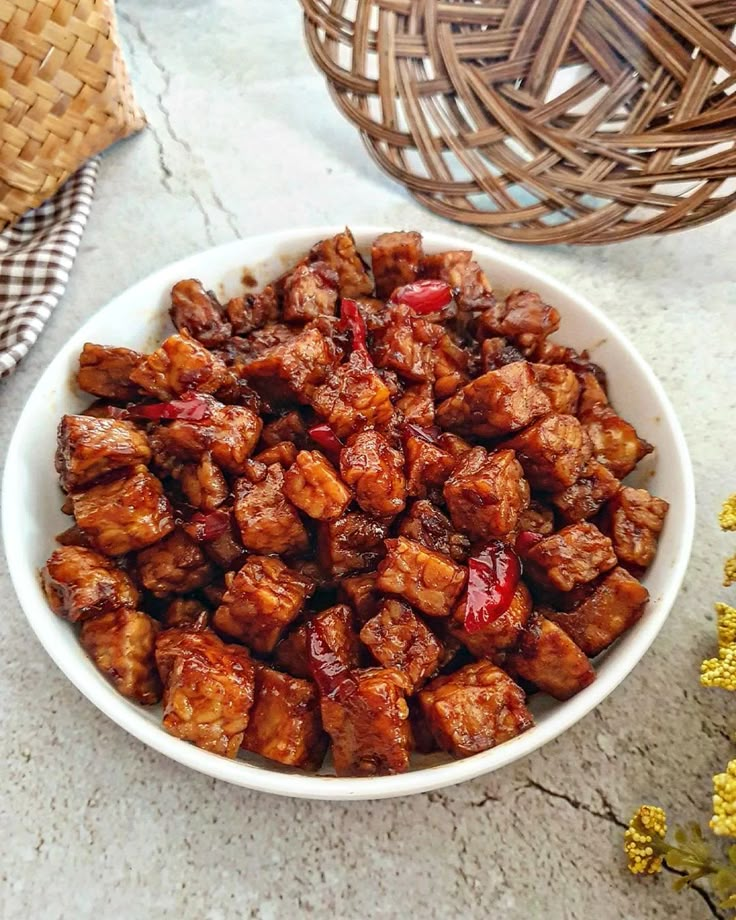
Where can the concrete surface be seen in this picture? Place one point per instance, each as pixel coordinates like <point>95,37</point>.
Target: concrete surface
<point>243,139</point>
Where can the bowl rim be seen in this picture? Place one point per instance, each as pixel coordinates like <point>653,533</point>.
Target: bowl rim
<point>297,785</point>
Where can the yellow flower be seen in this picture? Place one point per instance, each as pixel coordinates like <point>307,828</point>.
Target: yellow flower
<point>729,571</point>
<point>724,802</point>
<point>726,625</point>
<point>647,827</point>
<point>720,671</point>
<point>727,517</point>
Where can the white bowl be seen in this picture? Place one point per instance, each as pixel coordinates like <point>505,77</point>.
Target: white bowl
<point>137,318</point>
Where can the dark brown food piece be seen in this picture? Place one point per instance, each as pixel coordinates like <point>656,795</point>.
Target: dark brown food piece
<point>310,291</point>
<point>397,638</point>
<point>122,643</point>
<point>340,254</point>
<point>553,451</point>
<point>427,580</point>
<point>474,709</point>
<point>351,543</point>
<point>174,565</point>
<point>105,371</point>
<point>80,583</point>
<point>268,522</point>
<point>395,258</point>
<point>361,593</point>
<point>584,498</point>
<point>498,352</point>
<point>313,485</point>
<point>197,311</point>
<point>253,311</point>
<point>501,634</point>
<point>180,364</point>
<point>185,611</point>
<point>284,453</point>
<point>403,343</point>
<point>450,367</point>
<point>615,442</point>
<point>375,472</point>
<point>203,483</point>
<point>416,404</point>
<point>523,317</point>
<point>635,520</point>
<point>337,630</point>
<point>560,385</point>
<point>426,524</point>
<point>289,427</point>
<point>353,397</point>
<point>472,289</point>
<point>91,447</point>
<point>290,372</point>
<point>427,466</point>
<point>549,658</point>
<point>537,518</point>
<point>574,556</point>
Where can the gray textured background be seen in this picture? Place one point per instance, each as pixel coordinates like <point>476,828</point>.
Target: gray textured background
<point>243,139</point>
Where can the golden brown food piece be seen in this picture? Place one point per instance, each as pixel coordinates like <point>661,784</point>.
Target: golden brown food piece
<point>174,565</point>
<point>268,522</point>
<point>395,258</point>
<point>253,311</point>
<point>88,448</point>
<point>417,404</point>
<point>370,730</point>
<point>261,600</point>
<point>450,367</point>
<point>197,311</point>
<point>337,631</point>
<point>585,497</point>
<point>501,634</point>
<point>285,722</point>
<point>360,592</point>
<point>523,317</point>
<point>474,709</point>
<point>105,371</point>
<point>180,364</point>
<point>614,606</point>
<point>498,352</point>
<point>560,386</point>
<point>312,484</point>
<point>550,659</point>
<point>615,442</point>
<point>185,611</point>
<point>427,465</point>
<point>428,580</point>
<point>553,451</point>
<point>340,254</point>
<point>591,393</point>
<point>573,556</point>
<point>397,638</point>
<point>467,279</point>
<point>209,688</point>
<point>403,343</point>
<point>310,291</point>
<point>289,428</point>
<point>203,484</point>
<point>126,514</point>
<point>537,518</point>
<point>375,471</point>
<point>426,524</point>
<point>635,520</point>
<point>293,370</point>
<point>121,644</point>
<point>80,583</point>
<point>351,543</point>
<point>284,453</point>
<point>353,397</point>
<point>486,493</point>
<point>496,403</point>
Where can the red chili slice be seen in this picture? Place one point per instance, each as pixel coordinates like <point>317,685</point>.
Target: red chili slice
<point>209,526</point>
<point>525,540</point>
<point>191,407</point>
<point>333,679</point>
<point>493,577</point>
<point>429,435</point>
<point>352,319</point>
<point>327,440</point>
<point>426,296</point>
<point>116,412</point>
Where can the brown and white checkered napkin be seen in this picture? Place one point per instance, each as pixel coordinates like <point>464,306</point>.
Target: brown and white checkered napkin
<point>36,255</point>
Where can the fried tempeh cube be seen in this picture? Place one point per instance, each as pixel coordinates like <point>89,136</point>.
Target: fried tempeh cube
<point>197,311</point>
<point>537,518</point>
<point>340,254</point>
<point>498,635</point>
<point>498,352</point>
<point>560,386</point>
<point>573,556</point>
<point>474,709</point>
<point>105,371</point>
<point>87,448</point>
<point>360,592</point>
<point>337,631</point>
<point>313,484</point>
<point>417,404</point>
<point>428,580</point>
<point>486,493</point>
<point>584,498</point>
<point>450,368</point>
<point>615,442</point>
<point>375,471</point>
<point>634,522</point>
<point>497,403</point>
<point>370,730</point>
<point>351,543</point>
<point>400,346</point>
<point>293,370</point>
<point>397,638</point>
<point>553,451</point>
<point>80,583</point>
<point>284,453</point>
<point>185,611</point>
<point>464,275</point>
<point>126,514</point>
<point>174,565</point>
<point>203,484</point>
<point>289,427</point>
<point>550,659</point>
<point>180,364</point>
<point>209,688</point>
<point>122,643</point>
<point>426,524</point>
<point>395,258</point>
<point>427,465</point>
<point>353,397</point>
<point>268,522</point>
<point>523,317</point>
<point>310,291</point>
<point>261,600</point>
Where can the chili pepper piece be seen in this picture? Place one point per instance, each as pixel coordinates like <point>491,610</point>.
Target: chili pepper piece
<point>493,577</point>
<point>191,407</point>
<point>353,320</point>
<point>334,680</point>
<point>429,435</point>
<point>427,296</point>
<point>525,540</point>
<point>326,438</point>
<point>210,526</point>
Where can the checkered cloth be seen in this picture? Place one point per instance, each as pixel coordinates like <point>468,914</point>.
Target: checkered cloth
<point>36,255</point>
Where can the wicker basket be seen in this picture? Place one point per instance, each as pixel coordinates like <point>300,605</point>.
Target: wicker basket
<point>64,95</point>
<point>579,121</point>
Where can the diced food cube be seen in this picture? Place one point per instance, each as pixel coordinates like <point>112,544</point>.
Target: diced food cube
<point>496,403</point>
<point>375,471</point>
<point>310,291</point>
<point>289,427</point>
<point>399,345</point>
<point>340,254</point>
<point>427,580</point>
<point>105,371</point>
<point>426,524</point>
<point>560,385</point>
<point>635,519</point>
<point>185,611</point>
<point>397,638</point>
<point>80,583</point>
<point>197,312</point>
<point>293,370</point>
<point>396,258</point>
<point>180,364</point>
<point>253,311</point>
<point>427,465</point>
<point>261,600</point>
<point>537,518</point>
<point>553,451</point>
<point>285,723</point>
<point>523,317</point>
<point>500,634</point>
<point>592,394</point>
<point>417,404</point>
<point>615,442</point>
<point>122,644</point>
<point>337,631</point>
<point>450,367</point>
<point>497,352</point>
<point>126,514</point>
<point>486,493</point>
<point>573,556</point>
<point>550,659</point>
<point>225,550</point>
<point>585,497</point>
<point>360,592</point>
<point>464,275</point>
<point>312,484</point>
<point>351,543</point>
<point>284,453</point>
<point>174,565</point>
<point>90,447</point>
<point>203,484</point>
<point>474,709</point>
<point>353,397</point>
<point>268,522</point>
<point>209,688</point>
<point>370,730</point>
